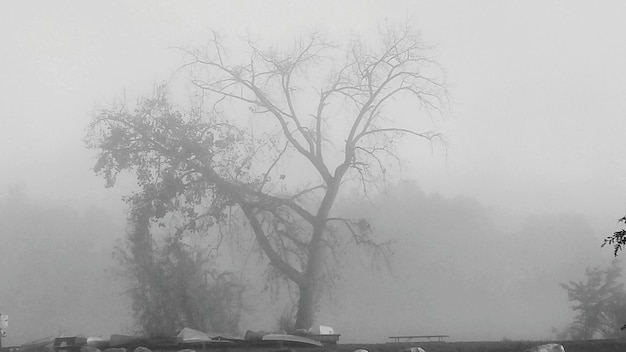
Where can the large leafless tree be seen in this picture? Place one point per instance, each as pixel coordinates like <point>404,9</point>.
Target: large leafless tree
<point>276,137</point>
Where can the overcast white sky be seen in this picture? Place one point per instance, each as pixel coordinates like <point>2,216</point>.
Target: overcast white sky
<point>537,121</point>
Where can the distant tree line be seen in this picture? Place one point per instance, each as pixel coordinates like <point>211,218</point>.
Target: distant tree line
<point>175,284</point>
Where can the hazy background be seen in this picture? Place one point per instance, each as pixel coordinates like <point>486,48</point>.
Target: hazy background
<point>531,181</point>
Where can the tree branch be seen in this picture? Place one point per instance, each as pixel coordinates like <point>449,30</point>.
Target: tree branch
<point>262,240</point>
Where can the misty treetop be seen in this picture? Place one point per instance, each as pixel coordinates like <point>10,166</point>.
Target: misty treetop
<point>600,302</point>
<point>270,142</point>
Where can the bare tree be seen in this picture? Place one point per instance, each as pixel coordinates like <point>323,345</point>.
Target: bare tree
<point>285,131</point>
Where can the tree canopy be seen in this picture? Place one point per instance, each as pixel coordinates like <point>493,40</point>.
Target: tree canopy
<point>273,138</point>
<point>600,303</point>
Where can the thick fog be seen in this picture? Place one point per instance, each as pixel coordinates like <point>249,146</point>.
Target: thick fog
<point>483,228</point>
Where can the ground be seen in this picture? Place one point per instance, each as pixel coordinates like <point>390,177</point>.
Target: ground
<point>489,346</point>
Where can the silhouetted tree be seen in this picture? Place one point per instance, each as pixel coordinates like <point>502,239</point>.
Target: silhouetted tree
<point>617,240</point>
<point>601,303</point>
<point>286,130</point>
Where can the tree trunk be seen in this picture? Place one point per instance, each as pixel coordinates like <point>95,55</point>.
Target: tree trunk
<point>310,290</point>
<point>306,307</point>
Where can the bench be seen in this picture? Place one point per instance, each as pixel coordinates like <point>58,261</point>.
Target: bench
<point>409,338</point>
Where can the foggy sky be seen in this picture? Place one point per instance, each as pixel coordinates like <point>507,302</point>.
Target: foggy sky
<point>535,127</point>
<point>535,123</point>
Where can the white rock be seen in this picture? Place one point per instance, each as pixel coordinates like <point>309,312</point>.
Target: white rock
<point>413,349</point>
<point>550,347</point>
<point>322,330</point>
